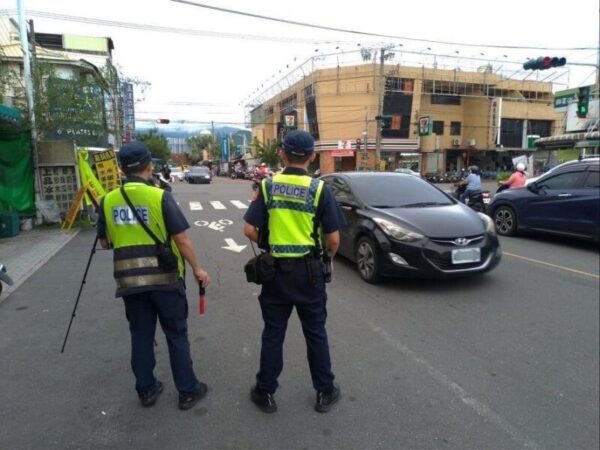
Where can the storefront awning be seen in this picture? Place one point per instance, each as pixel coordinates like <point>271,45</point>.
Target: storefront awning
<point>9,114</point>
<point>569,140</point>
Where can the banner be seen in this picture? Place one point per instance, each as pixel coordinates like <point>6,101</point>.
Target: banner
<point>107,170</point>
<point>95,191</point>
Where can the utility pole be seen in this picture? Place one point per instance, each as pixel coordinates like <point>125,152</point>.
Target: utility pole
<point>30,95</point>
<point>380,94</point>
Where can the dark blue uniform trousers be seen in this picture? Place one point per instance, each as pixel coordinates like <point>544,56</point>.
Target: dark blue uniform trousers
<point>171,309</point>
<point>291,288</point>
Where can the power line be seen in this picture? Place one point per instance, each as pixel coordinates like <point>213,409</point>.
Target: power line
<point>363,33</point>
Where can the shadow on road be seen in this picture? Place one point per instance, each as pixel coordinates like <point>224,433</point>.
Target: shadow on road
<point>563,241</point>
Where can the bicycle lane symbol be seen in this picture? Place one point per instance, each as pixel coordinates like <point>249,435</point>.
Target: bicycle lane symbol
<point>217,225</point>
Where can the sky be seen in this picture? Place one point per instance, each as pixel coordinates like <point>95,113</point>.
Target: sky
<point>212,76</point>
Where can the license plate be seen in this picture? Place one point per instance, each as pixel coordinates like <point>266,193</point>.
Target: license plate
<point>486,200</point>
<point>466,255</point>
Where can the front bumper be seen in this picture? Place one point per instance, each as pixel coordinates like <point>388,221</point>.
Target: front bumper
<point>432,258</point>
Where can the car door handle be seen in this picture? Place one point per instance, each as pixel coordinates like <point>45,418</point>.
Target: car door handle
<point>564,195</point>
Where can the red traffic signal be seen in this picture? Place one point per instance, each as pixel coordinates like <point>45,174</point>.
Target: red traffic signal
<point>544,62</point>
<point>165,121</point>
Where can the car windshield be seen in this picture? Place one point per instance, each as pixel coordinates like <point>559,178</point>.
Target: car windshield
<point>400,191</point>
<point>201,170</point>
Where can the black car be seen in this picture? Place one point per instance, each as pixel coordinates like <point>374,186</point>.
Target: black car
<point>401,225</point>
<point>198,175</point>
<point>564,201</point>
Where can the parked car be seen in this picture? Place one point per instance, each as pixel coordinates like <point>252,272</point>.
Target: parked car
<point>177,174</point>
<point>200,175</point>
<point>407,171</point>
<point>564,201</point>
<point>401,225</point>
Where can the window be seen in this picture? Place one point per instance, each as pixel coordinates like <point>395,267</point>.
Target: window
<point>455,128</point>
<point>511,133</point>
<point>341,191</point>
<point>593,180</point>
<point>542,128</point>
<point>438,127</point>
<point>438,99</point>
<point>562,181</point>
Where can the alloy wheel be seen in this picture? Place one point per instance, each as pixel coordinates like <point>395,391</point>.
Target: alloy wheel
<point>505,221</point>
<point>366,260</point>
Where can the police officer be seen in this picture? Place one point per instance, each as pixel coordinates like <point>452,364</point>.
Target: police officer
<point>150,289</point>
<point>290,202</point>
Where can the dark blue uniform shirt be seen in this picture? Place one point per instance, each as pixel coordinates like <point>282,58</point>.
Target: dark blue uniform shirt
<point>328,212</point>
<point>175,221</point>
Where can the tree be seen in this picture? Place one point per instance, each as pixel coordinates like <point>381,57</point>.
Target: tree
<point>197,145</point>
<point>269,153</point>
<point>157,144</point>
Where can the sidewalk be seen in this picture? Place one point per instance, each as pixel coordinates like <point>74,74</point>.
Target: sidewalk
<point>28,251</point>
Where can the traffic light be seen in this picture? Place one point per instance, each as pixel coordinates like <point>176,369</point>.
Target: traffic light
<point>384,121</point>
<point>583,101</point>
<point>165,121</point>
<point>544,62</point>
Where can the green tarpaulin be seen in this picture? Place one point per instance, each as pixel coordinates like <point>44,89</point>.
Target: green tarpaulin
<point>16,173</point>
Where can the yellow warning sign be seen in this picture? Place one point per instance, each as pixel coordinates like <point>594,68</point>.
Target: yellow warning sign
<point>107,170</point>
<point>95,190</point>
<point>74,208</point>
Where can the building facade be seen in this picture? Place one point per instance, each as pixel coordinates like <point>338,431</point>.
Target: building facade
<point>471,117</point>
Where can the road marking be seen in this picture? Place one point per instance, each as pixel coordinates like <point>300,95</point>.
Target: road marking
<point>233,246</point>
<point>195,206</point>
<point>479,407</point>
<point>217,205</point>
<point>238,204</point>
<point>555,266</point>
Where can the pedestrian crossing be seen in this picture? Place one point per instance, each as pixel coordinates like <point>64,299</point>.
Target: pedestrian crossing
<point>218,205</point>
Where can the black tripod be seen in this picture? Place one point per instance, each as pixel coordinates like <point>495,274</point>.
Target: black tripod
<point>79,294</point>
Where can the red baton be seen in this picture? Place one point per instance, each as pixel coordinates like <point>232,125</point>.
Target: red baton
<point>201,300</point>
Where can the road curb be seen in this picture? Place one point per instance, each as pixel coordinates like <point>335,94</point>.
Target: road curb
<point>8,290</point>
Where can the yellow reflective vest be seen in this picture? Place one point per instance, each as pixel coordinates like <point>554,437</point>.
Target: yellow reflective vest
<point>292,202</point>
<point>136,267</point>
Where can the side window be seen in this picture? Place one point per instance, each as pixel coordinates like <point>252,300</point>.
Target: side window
<point>566,180</point>
<point>341,191</point>
<point>593,180</point>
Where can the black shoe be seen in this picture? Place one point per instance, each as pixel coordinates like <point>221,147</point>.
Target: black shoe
<point>264,400</point>
<point>326,401</point>
<point>189,399</point>
<point>149,397</point>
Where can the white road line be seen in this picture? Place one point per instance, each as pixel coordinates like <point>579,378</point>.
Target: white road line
<point>195,206</point>
<point>218,205</point>
<point>476,405</point>
<point>239,205</point>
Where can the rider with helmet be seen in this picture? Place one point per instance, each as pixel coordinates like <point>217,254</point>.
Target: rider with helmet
<point>472,183</point>
<point>263,171</point>
<point>517,179</point>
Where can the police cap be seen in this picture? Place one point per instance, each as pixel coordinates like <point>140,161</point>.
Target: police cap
<point>298,143</point>
<point>134,155</point>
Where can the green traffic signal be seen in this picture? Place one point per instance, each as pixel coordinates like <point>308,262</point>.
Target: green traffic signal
<point>583,101</point>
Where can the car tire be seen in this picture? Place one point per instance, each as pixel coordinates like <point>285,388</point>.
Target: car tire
<point>505,221</point>
<point>367,260</point>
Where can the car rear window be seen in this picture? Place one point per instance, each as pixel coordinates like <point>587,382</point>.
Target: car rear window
<point>397,191</point>
<point>199,170</point>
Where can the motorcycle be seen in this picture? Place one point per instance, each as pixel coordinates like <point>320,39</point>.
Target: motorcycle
<point>4,278</point>
<point>160,182</point>
<point>477,200</point>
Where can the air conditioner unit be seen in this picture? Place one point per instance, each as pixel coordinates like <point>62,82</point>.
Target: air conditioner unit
<point>472,142</point>
<point>456,142</point>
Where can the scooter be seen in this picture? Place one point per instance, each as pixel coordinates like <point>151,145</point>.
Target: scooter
<point>476,199</point>
<point>4,278</point>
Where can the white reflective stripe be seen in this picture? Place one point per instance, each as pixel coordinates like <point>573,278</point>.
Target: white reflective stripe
<point>136,263</point>
<point>195,206</point>
<point>217,205</point>
<point>147,280</point>
<point>239,205</point>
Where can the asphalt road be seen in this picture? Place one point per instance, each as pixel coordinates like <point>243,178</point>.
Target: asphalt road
<point>505,360</point>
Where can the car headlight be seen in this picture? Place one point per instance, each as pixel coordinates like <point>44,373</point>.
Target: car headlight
<point>489,223</point>
<point>396,231</point>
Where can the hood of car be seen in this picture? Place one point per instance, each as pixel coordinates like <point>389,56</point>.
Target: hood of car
<point>450,221</point>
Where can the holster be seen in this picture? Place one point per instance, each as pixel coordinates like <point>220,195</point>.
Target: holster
<point>315,269</point>
<point>260,269</point>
